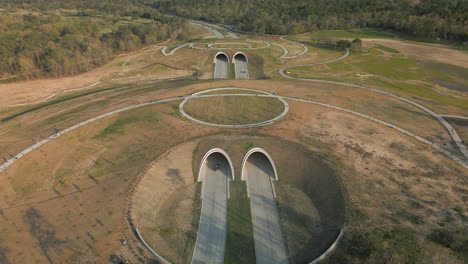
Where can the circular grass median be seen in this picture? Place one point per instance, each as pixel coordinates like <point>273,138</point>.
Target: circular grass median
<point>234,110</point>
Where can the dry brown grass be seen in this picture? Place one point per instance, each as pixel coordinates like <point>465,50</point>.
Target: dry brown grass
<point>397,173</point>
<point>163,201</point>
<point>429,52</point>
<point>86,210</point>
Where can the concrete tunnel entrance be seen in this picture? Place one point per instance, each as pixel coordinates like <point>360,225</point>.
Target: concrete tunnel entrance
<point>221,61</point>
<point>241,57</point>
<point>260,159</point>
<point>215,172</point>
<point>216,159</point>
<point>258,170</point>
<point>240,65</point>
<point>221,56</point>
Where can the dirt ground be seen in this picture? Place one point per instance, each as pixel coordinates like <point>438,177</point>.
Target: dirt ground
<point>75,213</point>
<point>18,133</point>
<point>143,65</point>
<point>429,52</point>
<point>65,215</point>
<point>163,201</point>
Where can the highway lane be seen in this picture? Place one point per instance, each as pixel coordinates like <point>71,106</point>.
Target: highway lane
<point>211,236</point>
<point>221,68</point>
<point>218,34</point>
<point>240,66</point>
<point>268,237</point>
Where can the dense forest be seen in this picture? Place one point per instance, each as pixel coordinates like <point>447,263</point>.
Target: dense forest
<point>445,19</point>
<point>48,43</point>
<point>56,44</point>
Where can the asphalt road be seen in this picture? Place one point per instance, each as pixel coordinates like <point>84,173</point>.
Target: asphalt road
<point>211,236</point>
<point>221,68</point>
<point>240,66</point>
<point>268,237</point>
<point>214,31</point>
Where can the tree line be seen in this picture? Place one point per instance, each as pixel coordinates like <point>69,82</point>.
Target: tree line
<point>55,45</point>
<point>445,19</point>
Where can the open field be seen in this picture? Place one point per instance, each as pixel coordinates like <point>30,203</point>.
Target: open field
<point>78,198</point>
<point>395,72</point>
<point>353,33</point>
<point>324,142</point>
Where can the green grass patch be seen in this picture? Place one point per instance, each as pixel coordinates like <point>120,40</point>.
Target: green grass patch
<point>249,146</point>
<point>234,110</point>
<point>364,245</point>
<point>117,127</point>
<point>353,33</point>
<point>255,66</point>
<point>408,75</point>
<point>424,92</point>
<point>239,242</point>
<point>385,48</point>
<point>166,231</point>
<point>121,63</point>
<point>231,71</point>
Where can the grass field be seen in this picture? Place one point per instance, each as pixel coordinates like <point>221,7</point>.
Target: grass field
<point>239,242</point>
<point>233,91</point>
<point>385,48</point>
<point>232,110</point>
<point>395,72</point>
<point>352,33</point>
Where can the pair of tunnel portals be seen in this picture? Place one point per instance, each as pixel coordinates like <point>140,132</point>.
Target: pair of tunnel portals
<point>306,172</point>
<point>217,158</point>
<point>237,56</point>
<point>258,170</point>
<point>221,61</point>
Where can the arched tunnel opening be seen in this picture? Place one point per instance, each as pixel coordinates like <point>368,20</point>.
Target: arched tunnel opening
<point>258,170</point>
<point>222,57</point>
<point>240,65</point>
<point>321,190</point>
<point>240,57</point>
<point>257,160</point>
<point>216,160</point>
<point>221,61</point>
<point>216,171</point>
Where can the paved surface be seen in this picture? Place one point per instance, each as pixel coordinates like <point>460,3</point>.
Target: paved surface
<point>210,46</point>
<point>286,51</point>
<point>227,30</point>
<point>221,68</point>
<point>455,117</point>
<point>214,31</point>
<point>240,67</point>
<point>268,237</point>
<point>164,50</point>
<point>211,236</point>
